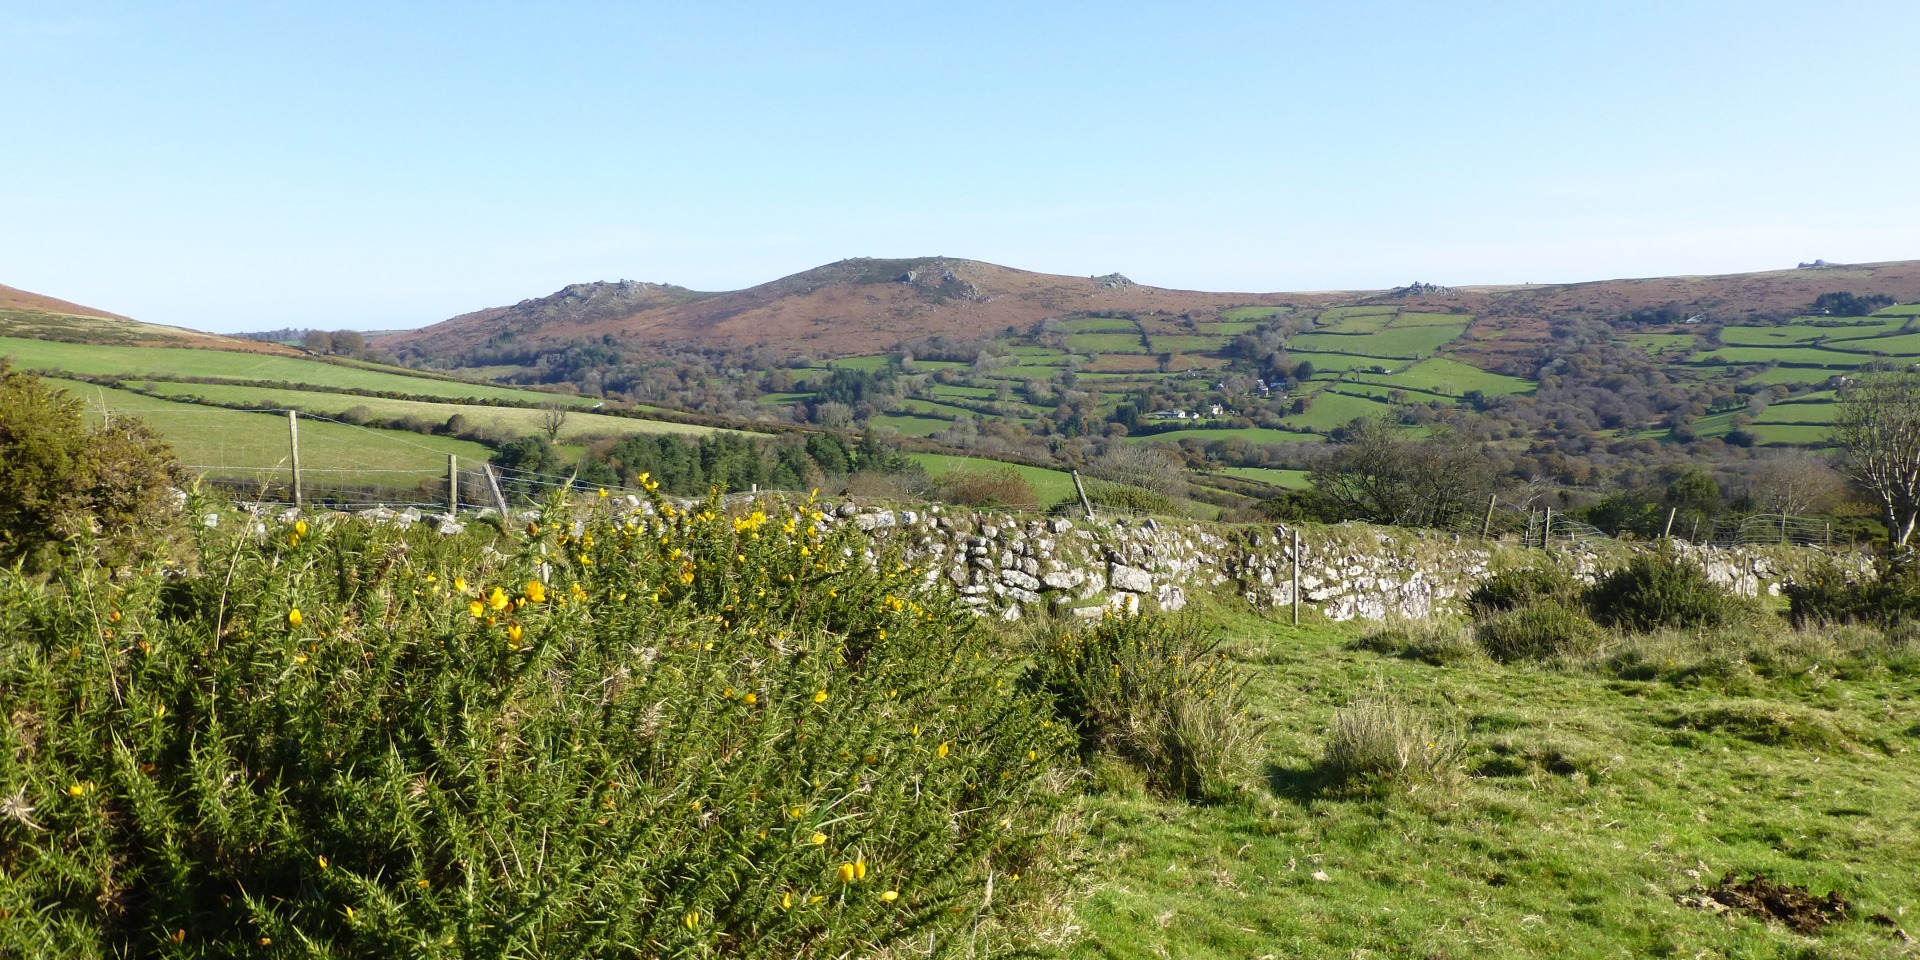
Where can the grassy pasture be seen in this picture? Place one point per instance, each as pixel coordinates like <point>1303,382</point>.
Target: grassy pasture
<point>1052,486</point>
<point>1229,327</point>
<point>1902,345</point>
<point>1099,343</point>
<point>956,390</point>
<point>871,363</point>
<point>1772,336</point>
<point>1453,378</point>
<point>1249,434</point>
<point>1337,362</point>
<point>1359,311</point>
<point>912,425</point>
<point>1798,413</point>
<point>1251,314</point>
<point>1794,375</point>
<point>1795,434</point>
<point>1034,350</point>
<point>1188,343</point>
<point>1658,343</point>
<point>579,426</point>
<point>1098,325</point>
<point>170,362</point>
<point>1354,323</point>
<point>1124,363</point>
<point>1284,479</point>
<point>1853,328</point>
<point>232,444</point>
<point>1900,310</point>
<point>1408,319</point>
<point>1812,356</point>
<point>1333,409</point>
<point>1393,342</point>
<point>790,397</point>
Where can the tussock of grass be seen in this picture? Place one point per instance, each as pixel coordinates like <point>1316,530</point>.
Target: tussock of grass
<point>1438,642</point>
<point>1768,722</point>
<point>1384,741</point>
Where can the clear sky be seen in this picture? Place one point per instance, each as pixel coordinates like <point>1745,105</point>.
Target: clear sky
<point>251,165</point>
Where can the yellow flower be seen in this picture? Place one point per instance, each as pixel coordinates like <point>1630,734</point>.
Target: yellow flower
<point>860,869</point>
<point>786,900</point>
<point>514,633</point>
<point>820,697</point>
<point>797,812</point>
<point>943,748</point>
<point>498,599</point>
<point>890,896</point>
<point>322,860</point>
<point>293,616</point>
<point>750,699</point>
<point>421,883</point>
<point>818,838</point>
<point>603,493</point>
<point>692,919</point>
<point>77,790</point>
<point>536,591</point>
<point>299,658</point>
<point>726,694</point>
<point>846,873</point>
<point>460,584</point>
<point>349,914</point>
<point>300,527</point>
<point>476,608</point>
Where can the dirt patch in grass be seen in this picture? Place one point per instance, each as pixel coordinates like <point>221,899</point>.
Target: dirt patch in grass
<point>1758,896</point>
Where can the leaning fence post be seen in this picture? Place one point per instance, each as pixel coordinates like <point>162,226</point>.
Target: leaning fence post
<point>1082,491</point>
<point>1487,524</point>
<point>493,484</point>
<point>1667,534</point>
<point>293,438</point>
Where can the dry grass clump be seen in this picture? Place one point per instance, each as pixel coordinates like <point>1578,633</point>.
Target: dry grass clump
<point>1383,740</point>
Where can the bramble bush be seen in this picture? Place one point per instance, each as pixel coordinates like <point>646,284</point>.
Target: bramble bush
<point>684,734</point>
<point>1154,692</point>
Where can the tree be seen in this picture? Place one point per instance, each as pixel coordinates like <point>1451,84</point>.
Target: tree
<point>1794,483</point>
<point>1878,428</point>
<point>349,343</point>
<point>553,416</point>
<point>319,341</point>
<point>1377,475</point>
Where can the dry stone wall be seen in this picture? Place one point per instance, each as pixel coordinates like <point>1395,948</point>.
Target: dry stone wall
<point>1009,566</point>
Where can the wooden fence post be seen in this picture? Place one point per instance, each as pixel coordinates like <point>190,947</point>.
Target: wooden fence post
<point>1085,504</point>
<point>293,438</point>
<point>453,485</point>
<point>1296,578</point>
<point>1487,524</point>
<point>493,484</point>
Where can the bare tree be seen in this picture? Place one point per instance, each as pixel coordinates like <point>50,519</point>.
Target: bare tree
<point>553,416</point>
<point>1878,427</point>
<point>1794,482</point>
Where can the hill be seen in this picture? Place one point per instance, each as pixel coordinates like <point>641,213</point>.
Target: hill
<point>40,317</point>
<point>848,307</point>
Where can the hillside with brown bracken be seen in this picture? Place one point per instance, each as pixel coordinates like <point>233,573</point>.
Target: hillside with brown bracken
<point>37,316</point>
<point>863,305</point>
<point>850,307</point>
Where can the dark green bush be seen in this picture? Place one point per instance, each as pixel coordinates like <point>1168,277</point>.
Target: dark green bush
<point>668,736</point>
<point>1155,692</point>
<point>1126,497</point>
<point>1512,589</point>
<point>1827,594</point>
<point>1662,590</point>
<point>63,483</point>
<point>1540,630</point>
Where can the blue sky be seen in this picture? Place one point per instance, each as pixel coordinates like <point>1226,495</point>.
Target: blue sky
<point>235,166</point>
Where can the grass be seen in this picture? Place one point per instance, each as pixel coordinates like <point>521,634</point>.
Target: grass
<point>1658,343</point>
<point>1252,314</point>
<point>912,425</point>
<point>1356,323</point>
<point>1187,344</point>
<point>1431,319</point>
<point>515,420</point>
<point>1807,356</point>
<point>230,444</point>
<point>1230,327</point>
<point>1285,479</point>
<point>1583,805</point>
<point>1105,343</point>
<point>1052,486</point>
<point>878,361</point>
<point>1334,362</point>
<point>1249,434</point>
<point>1331,409</point>
<point>1903,345</point>
<point>1453,378</point>
<point>1404,343</point>
<point>1098,325</point>
<point>173,362</point>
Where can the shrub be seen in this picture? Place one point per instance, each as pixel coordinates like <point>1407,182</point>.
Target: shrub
<point>1662,590</point>
<point>1155,692</point>
<point>1512,589</point>
<point>1540,630</point>
<point>671,735</point>
<point>988,487</point>
<point>1828,594</point>
<point>61,481</point>
<point>1383,740</point>
<point>1120,496</point>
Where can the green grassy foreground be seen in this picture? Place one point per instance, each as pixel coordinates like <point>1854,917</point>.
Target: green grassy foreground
<point>1586,797</point>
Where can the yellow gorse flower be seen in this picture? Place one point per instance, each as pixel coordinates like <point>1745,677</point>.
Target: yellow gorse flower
<point>890,896</point>
<point>498,599</point>
<point>515,632</point>
<point>460,584</point>
<point>846,873</point>
<point>818,838</point>
<point>476,608</point>
<point>536,591</point>
<point>293,616</point>
<point>300,527</point>
<point>943,748</point>
<point>820,697</point>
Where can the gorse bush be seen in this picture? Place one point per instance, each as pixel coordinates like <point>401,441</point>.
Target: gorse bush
<point>1541,630</point>
<point>1156,693</point>
<point>1512,589</point>
<point>63,482</point>
<point>683,734</point>
<point>1662,590</point>
<point>988,487</point>
<point>1828,594</point>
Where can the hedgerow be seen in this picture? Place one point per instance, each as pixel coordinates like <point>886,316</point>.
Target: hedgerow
<point>684,734</point>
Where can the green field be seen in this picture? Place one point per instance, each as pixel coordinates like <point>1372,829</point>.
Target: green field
<point>1657,343</point>
<point>1187,344</point>
<point>1453,378</point>
<point>1252,314</point>
<point>232,444</point>
<point>518,421</point>
<point>878,361</point>
<point>956,390</point>
<point>1799,412</point>
<point>1229,328</point>
<point>910,425</point>
<point>1342,362</point>
<point>1811,356</point>
<point>1331,409</point>
<point>1249,434</point>
<point>1405,343</point>
<point>1432,319</point>
<point>1902,345</point>
<point>1767,336</point>
<point>1094,343</point>
<point>1098,325</point>
<point>1794,375</point>
<point>1052,486</point>
<point>1359,311</point>
<point>170,362</point>
<point>1355,323</point>
<point>1285,479</point>
<point>1796,434</point>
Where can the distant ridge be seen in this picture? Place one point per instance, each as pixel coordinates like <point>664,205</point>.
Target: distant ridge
<point>37,316</point>
<point>861,305</point>
<point>14,298</point>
